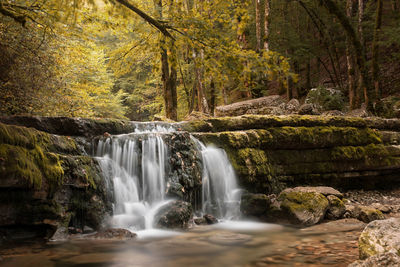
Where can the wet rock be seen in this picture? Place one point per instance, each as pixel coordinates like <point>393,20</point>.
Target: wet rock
<point>305,208</point>
<point>174,215</point>
<point>254,204</point>
<point>200,221</point>
<point>114,234</point>
<point>210,219</point>
<point>60,235</point>
<point>367,214</point>
<point>379,237</point>
<point>87,229</point>
<point>379,260</point>
<point>336,208</point>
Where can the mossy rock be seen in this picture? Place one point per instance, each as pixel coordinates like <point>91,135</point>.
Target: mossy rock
<point>304,208</point>
<point>380,236</point>
<point>336,208</point>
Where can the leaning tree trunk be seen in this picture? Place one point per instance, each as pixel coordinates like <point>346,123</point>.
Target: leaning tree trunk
<point>375,48</point>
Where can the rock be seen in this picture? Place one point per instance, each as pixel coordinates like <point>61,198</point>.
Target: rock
<point>368,214</point>
<point>332,113</point>
<point>305,208</point>
<point>379,260</point>
<point>210,219</point>
<point>114,234</point>
<point>200,221</point>
<point>381,207</point>
<point>380,236</point>
<point>336,208</point>
<point>254,204</point>
<point>292,106</point>
<point>361,112</point>
<point>87,230</point>
<point>174,215</point>
<point>306,109</point>
<point>325,190</point>
<point>60,235</point>
<point>263,105</point>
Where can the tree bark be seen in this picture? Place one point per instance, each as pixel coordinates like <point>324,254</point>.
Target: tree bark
<point>258,25</point>
<point>350,62</point>
<point>267,24</point>
<point>375,48</point>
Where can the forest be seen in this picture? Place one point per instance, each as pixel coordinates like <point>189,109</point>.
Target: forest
<point>143,60</point>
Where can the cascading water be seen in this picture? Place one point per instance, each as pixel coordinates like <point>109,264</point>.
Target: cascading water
<point>137,169</point>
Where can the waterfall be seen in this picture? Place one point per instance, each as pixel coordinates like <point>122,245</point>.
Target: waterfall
<point>220,192</point>
<point>137,168</point>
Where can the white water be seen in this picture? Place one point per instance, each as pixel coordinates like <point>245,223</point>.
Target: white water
<point>220,192</point>
<point>136,164</point>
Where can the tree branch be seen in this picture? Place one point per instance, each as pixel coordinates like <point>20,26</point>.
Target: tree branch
<point>147,18</point>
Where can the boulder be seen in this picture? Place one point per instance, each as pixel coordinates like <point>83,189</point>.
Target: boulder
<point>324,190</point>
<point>379,260</point>
<point>336,208</point>
<point>210,219</point>
<point>254,204</point>
<point>307,109</point>
<point>292,106</point>
<point>380,236</point>
<point>367,214</point>
<point>174,215</point>
<point>304,208</point>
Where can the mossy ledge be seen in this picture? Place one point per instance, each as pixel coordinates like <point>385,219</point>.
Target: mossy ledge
<point>42,178</point>
<point>271,153</point>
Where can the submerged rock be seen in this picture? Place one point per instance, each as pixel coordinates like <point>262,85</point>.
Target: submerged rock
<point>114,234</point>
<point>174,215</point>
<point>380,237</point>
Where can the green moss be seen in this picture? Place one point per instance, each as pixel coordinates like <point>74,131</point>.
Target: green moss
<point>299,201</point>
<point>32,165</point>
<point>366,250</point>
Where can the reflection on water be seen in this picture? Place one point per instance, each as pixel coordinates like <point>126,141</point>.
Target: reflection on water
<point>227,244</point>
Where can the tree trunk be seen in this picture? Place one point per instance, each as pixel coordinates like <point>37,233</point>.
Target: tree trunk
<point>350,62</point>
<point>202,101</point>
<point>358,49</point>
<point>258,25</point>
<point>212,98</point>
<point>375,48</point>
<point>169,73</point>
<point>267,24</point>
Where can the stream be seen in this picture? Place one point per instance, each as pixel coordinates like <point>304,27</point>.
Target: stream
<point>224,244</point>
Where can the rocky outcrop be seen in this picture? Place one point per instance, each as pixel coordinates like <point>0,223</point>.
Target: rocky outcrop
<point>271,153</point>
<point>174,215</point>
<point>380,236</point>
<point>113,234</point>
<point>46,183</point>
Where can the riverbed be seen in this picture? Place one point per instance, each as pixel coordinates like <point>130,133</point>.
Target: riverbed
<point>224,244</point>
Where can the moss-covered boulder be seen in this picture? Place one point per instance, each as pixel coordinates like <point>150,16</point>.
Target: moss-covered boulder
<point>304,208</point>
<point>380,237</point>
<point>368,214</point>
